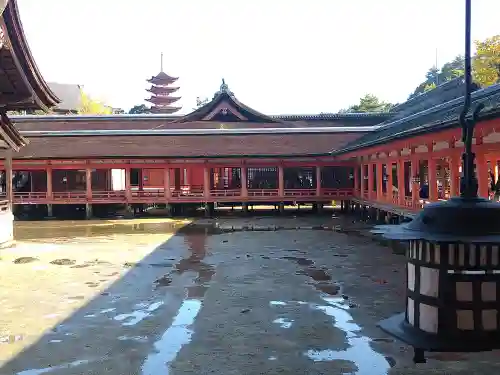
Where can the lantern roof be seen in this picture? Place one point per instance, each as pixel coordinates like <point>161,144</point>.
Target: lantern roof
<point>473,220</point>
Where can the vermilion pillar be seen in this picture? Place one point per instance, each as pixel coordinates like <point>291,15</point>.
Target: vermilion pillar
<point>8,178</point>
<point>49,183</point>
<point>356,180</point>
<point>390,183</point>
<point>88,183</point>
<point>432,177</point>
<point>206,181</point>
<point>380,182</point>
<point>281,181</point>
<point>166,183</point>
<point>401,182</point>
<point>370,181</point>
<point>244,182</point>
<point>362,182</point>
<point>482,174</point>
<point>318,180</point>
<point>128,190</point>
<point>415,185</point>
<point>454,165</point>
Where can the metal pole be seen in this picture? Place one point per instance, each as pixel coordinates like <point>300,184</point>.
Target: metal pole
<point>469,182</point>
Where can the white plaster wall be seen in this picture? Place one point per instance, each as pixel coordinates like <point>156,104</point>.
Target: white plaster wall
<point>118,179</point>
<point>6,228</point>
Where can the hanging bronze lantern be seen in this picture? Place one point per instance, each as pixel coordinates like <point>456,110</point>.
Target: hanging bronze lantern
<point>453,266</point>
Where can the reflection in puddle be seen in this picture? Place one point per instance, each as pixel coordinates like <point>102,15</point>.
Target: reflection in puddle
<point>367,360</point>
<point>41,371</point>
<point>283,322</point>
<point>174,338</point>
<point>138,315</point>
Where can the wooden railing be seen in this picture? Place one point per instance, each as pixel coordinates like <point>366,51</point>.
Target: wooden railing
<point>263,192</point>
<point>337,193</point>
<point>225,193</point>
<point>299,192</point>
<point>4,206</point>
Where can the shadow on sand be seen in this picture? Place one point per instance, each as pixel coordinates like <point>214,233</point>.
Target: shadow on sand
<point>103,336</point>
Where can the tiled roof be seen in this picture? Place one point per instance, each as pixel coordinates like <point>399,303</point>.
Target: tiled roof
<point>432,119</point>
<point>184,146</point>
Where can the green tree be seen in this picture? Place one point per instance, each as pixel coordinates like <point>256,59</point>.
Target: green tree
<point>88,106</point>
<point>369,103</point>
<point>138,109</point>
<point>486,63</point>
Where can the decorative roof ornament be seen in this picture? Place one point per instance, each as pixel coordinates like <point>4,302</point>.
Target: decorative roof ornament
<point>224,88</point>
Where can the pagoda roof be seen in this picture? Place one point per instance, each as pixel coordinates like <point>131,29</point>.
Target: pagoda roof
<point>436,118</point>
<point>9,135</point>
<point>225,107</point>
<point>163,100</point>
<point>22,86</point>
<point>162,78</point>
<point>187,143</point>
<point>162,89</point>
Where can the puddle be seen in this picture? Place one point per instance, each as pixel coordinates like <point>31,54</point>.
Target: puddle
<point>141,339</point>
<point>64,366</point>
<point>367,360</point>
<point>283,322</point>
<point>277,303</point>
<point>272,358</point>
<point>172,341</point>
<point>300,261</point>
<point>131,319</point>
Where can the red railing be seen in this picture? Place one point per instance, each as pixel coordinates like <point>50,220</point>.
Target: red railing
<point>150,193</point>
<point>66,195</point>
<point>337,193</point>
<point>108,195</point>
<point>4,206</point>
<point>225,193</point>
<point>299,192</point>
<point>30,197</point>
<point>262,192</point>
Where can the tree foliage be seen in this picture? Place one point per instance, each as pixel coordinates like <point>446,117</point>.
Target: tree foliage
<point>139,109</point>
<point>88,106</point>
<point>434,76</point>
<point>486,64</point>
<point>369,103</point>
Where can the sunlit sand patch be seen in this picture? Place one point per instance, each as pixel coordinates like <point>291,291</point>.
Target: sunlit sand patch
<point>62,289</point>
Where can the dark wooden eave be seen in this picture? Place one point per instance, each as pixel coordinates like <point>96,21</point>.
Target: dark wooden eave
<point>10,135</point>
<point>21,83</point>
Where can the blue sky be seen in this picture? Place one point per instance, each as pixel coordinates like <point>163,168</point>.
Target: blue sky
<point>277,56</point>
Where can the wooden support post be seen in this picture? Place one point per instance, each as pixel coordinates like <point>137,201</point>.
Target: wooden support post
<point>415,186</point>
<point>362,182</point>
<point>318,181</point>
<point>8,178</point>
<point>454,165</point>
<point>166,184</point>
<point>401,182</point>
<point>281,181</point>
<point>88,183</point>
<point>206,182</point>
<point>380,182</point>
<point>356,180</point>
<point>432,177</point>
<point>390,182</point>
<point>370,181</point>
<point>128,188</point>
<point>141,179</point>
<point>244,182</point>
<point>482,174</point>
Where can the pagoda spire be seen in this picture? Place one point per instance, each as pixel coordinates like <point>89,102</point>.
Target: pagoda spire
<point>161,90</point>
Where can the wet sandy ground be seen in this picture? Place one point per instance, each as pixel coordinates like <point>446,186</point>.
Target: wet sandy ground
<point>88,298</point>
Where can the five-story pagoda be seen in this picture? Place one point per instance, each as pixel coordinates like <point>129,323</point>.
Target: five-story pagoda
<point>161,92</point>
